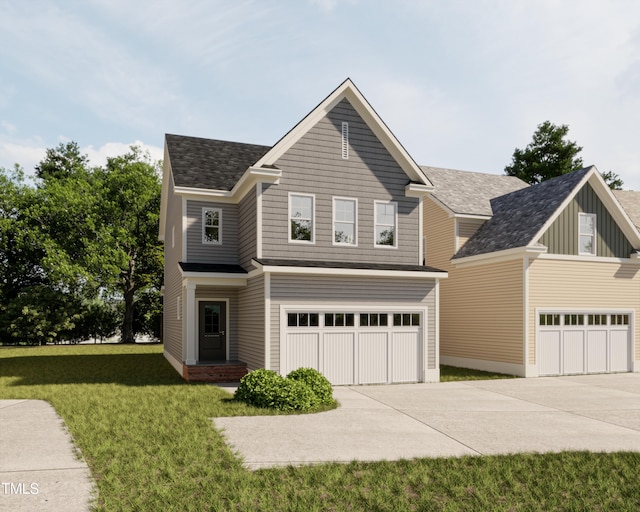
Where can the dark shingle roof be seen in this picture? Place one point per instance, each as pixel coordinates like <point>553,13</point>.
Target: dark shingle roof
<point>630,201</point>
<point>211,164</point>
<point>470,193</point>
<point>519,216</point>
<point>346,265</point>
<point>212,267</point>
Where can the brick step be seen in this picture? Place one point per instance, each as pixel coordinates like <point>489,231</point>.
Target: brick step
<point>224,372</point>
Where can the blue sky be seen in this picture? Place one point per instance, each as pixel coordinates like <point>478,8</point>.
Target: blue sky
<point>461,83</point>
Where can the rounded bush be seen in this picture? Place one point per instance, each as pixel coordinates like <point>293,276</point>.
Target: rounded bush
<point>265,388</point>
<point>316,381</point>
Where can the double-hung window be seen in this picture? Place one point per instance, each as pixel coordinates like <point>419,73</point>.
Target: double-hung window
<point>301,214</point>
<point>587,234</point>
<point>212,226</point>
<point>386,221</point>
<point>344,221</point>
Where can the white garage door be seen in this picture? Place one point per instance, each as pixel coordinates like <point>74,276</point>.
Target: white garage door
<point>354,347</point>
<point>578,343</point>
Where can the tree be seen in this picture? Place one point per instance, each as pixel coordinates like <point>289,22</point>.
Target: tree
<point>131,257</point>
<point>547,156</point>
<point>613,180</point>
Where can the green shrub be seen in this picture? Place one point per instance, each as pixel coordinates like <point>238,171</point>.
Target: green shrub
<point>302,390</point>
<point>316,381</point>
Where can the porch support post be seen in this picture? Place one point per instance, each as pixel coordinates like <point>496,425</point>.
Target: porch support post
<point>191,321</point>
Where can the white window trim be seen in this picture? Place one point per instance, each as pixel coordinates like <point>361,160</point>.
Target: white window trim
<point>375,225</point>
<point>204,226</point>
<point>313,219</point>
<point>355,222</point>
<point>581,234</point>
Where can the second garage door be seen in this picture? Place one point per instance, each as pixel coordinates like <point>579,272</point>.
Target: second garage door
<point>355,347</point>
<point>578,343</point>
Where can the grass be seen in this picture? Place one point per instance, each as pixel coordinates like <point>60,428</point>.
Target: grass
<point>148,440</point>
<point>453,373</point>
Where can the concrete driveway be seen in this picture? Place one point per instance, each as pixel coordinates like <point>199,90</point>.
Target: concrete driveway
<point>599,413</point>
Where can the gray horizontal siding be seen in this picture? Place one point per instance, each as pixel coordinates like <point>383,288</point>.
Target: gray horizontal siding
<point>315,165</point>
<point>214,293</point>
<point>562,235</point>
<point>251,323</point>
<point>197,252</point>
<point>356,291</point>
<point>171,325</point>
<point>247,233</point>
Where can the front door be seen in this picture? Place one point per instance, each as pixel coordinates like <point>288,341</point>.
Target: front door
<point>212,336</point>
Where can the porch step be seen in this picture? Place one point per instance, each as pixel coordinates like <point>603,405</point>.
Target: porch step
<point>227,371</point>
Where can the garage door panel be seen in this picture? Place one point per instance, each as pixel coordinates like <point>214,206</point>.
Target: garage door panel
<point>405,356</point>
<point>303,350</point>
<point>597,351</point>
<point>619,350</point>
<point>573,352</point>
<point>549,351</point>
<point>373,357</point>
<point>338,355</point>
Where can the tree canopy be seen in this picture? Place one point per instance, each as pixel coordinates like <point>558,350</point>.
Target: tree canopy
<point>79,249</point>
<point>550,155</point>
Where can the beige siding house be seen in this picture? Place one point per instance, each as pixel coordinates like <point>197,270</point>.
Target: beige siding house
<point>543,280</point>
<point>305,254</point>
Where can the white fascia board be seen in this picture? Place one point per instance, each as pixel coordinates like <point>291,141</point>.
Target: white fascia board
<point>213,279</point>
<point>499,256</point>
<point>471,216</point>
<point>248,180</point>
<point>633,259</point>
<point>349,91</point>
<point>417,190</point>
<point>316,271</point>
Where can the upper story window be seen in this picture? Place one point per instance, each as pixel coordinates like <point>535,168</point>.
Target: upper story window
<point>587,234</point>
<point>301,216</point>
<point>386,217</point>
<point>212,226</point>
<point>344,221</point>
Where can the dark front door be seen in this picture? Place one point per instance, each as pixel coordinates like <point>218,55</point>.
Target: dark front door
<point>212,336</point>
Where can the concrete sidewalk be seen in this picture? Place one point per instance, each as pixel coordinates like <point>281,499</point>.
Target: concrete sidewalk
<point>39,468</point>
<point>599,413</point>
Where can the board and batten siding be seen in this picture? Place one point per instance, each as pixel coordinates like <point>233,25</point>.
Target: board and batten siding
<point>247,229</point>
<point>439,232</point>
<point>562,235</point>
<point>171,323</point>
<point>589,285</point>
<point>355,292</point>
<point>225,253</point>
<point>314,165</point>
<point>482,312</point>
<point>252,323</point>
<point>219,293</point>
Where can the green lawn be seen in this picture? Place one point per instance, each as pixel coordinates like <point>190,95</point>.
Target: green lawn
<point>148,440</point>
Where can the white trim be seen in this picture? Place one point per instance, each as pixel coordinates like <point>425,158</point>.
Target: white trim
<point>227,323</point>
<point>344,272</point>
<point>500,256</point>
<point>184,228</point>
<point>421,237</point>
<point>594,235</point>
<point>267,320</point>
<point>375,224</point>
<point>313,218</point>
<point>525,319</point>
<point>210,278</point>
<point>433,375</point>
<point>173,236</point>
<point>418,190</point>
<point>190,324</point>
<point>353,200</point>
<point>259,219</point>
<point>179,310</point>
<point>205,210</point>
<point>597,259</point>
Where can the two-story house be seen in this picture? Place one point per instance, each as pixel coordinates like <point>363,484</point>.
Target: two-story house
<point>305,254</point>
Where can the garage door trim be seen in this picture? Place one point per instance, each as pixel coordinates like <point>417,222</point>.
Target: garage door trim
<point>357,330</point>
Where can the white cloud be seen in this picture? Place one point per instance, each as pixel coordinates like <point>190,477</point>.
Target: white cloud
<point>98,156</point>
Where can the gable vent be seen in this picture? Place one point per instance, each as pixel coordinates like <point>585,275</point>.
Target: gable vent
<point>345,140</point>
